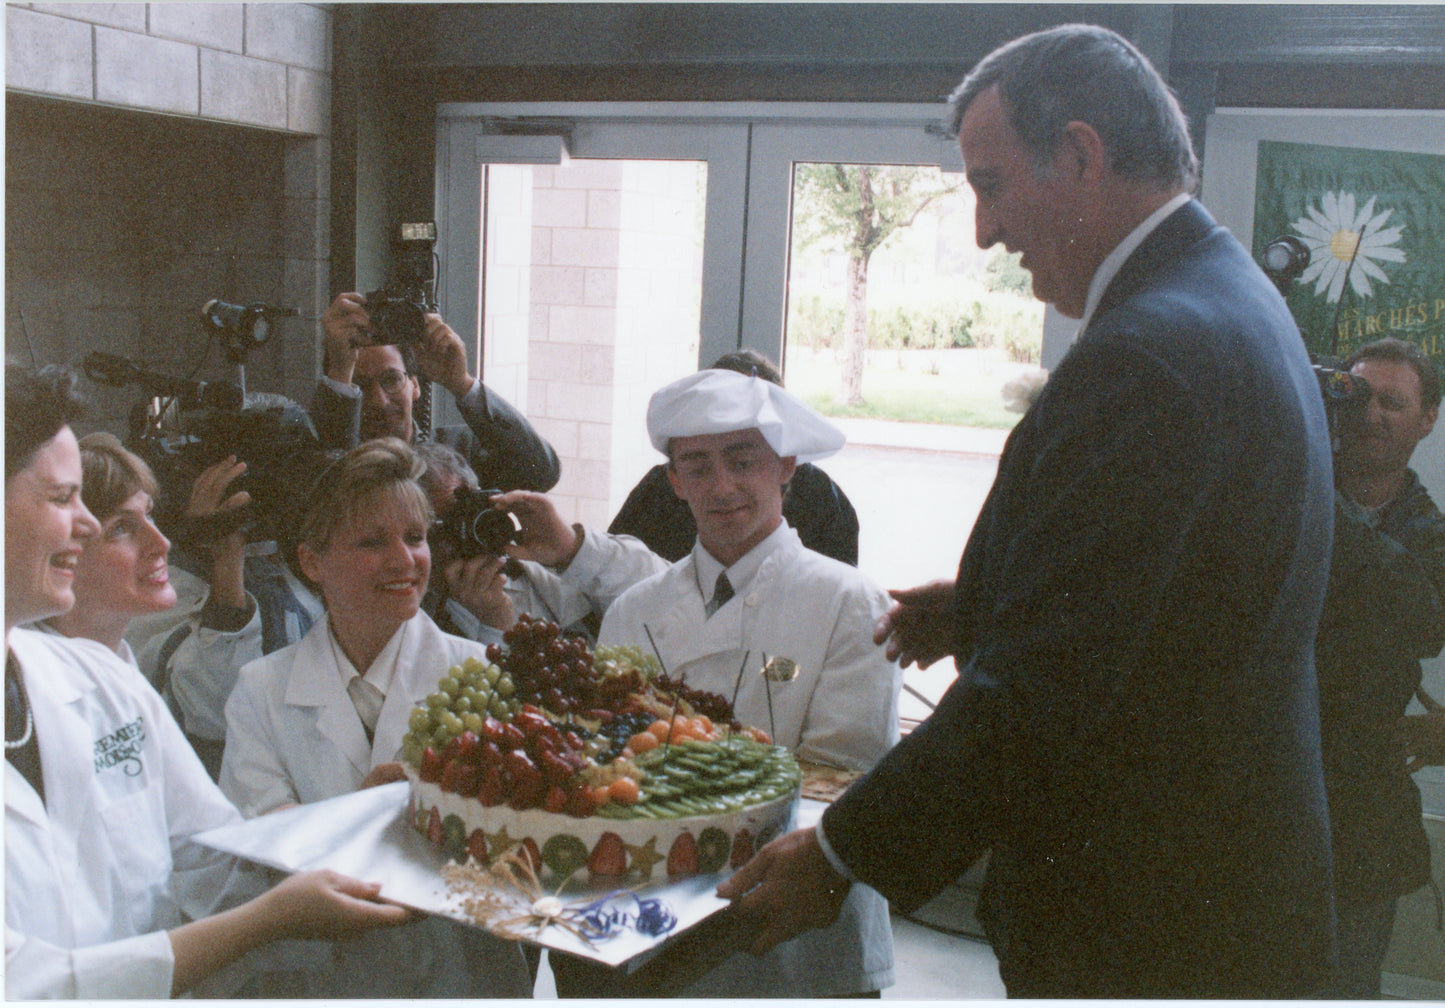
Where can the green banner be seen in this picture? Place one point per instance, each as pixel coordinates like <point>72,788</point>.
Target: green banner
<point>1374,224</point>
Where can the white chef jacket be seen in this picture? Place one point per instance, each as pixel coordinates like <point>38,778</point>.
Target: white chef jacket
<point>293,735</point>
<point>842,709</point>
<point>99,872</point>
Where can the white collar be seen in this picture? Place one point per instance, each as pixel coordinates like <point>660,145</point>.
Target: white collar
<point>382,670</point>
<point>1109,268</point>
<point>740,574</point>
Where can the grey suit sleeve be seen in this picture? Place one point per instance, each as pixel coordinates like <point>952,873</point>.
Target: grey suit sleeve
<point>506,452</point>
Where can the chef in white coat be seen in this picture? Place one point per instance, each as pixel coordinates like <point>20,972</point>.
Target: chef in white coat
<point>326,715</point>
<point>105,893</point>
<point>750,592</point>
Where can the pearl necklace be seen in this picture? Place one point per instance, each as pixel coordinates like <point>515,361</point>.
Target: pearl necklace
<point>24,739</point>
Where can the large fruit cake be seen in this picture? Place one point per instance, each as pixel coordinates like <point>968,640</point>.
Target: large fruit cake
<point>590,760</point>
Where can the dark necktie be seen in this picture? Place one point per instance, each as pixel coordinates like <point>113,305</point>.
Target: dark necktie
<point>721,592</point>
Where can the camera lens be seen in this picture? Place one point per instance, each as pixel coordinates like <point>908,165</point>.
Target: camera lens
<point>492,531</point>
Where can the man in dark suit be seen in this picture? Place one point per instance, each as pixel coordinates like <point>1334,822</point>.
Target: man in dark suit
<point>1134,733</point>
<point>368,390</point>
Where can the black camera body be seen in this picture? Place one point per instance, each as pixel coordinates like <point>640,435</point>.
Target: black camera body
<point>473,527</point>
<point>398,311</point>
<point>1346,395</point>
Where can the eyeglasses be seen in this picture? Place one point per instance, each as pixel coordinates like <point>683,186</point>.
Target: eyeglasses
<point>391,381</point>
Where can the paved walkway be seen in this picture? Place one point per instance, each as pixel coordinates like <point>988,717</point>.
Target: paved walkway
<point>925,437</point>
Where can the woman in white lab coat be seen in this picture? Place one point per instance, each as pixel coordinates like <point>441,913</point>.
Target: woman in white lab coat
<point>326,716</point>
<point>123,574</point>
<point>106,895</point>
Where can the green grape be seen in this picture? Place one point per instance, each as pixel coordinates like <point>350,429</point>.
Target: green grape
<point>505,686</point>
<point>420,720</point>
<point>473,722</point>
<point>449,685</point>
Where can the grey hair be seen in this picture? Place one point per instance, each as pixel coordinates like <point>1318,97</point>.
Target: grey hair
<point>1087,74</point>
<point>444,460</point>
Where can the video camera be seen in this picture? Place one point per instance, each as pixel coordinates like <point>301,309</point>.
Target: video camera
<point>1284,260</point>
<point>398,310</point>
<point>182,427</point>
<point>473,527</point>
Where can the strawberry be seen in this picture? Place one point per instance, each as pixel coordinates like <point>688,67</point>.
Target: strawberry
<point>477,846</point>
<point>581,802</point>
<point>431,766</point>
<point>491,787</point>
<point>531,853</point>
<point>682,859</point>
<point>742,849</point>
<point>609,857</point>
<point>461,778</point>
<point>555,800</point>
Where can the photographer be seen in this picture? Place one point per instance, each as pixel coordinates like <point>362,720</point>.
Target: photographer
<point>478,591</point>
<point>1384,611</point>
<point>369,388</point>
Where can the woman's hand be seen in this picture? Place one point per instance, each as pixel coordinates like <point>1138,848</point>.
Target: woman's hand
<point>316,904</point>
<point>383,773</point>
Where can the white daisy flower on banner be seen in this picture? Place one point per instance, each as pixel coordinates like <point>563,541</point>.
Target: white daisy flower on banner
<point>1337,233</point>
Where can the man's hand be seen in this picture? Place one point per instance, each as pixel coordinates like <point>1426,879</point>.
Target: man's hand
<point>787,888</point>
<point>921,627</point>
<point>1422,736</point>
<point>441,357</point>
<point>210,496</point>
<point>546,538</point>
<point>347,326</point>
<point>479,584</point>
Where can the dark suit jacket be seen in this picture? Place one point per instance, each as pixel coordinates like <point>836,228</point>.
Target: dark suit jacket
<point>1384,611</point>
<point>814,505</point>
<point>1134,732</point>
<point>501,445</point>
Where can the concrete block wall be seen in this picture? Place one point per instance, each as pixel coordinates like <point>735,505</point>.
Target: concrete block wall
<point>264,65</point>
<point>614,299</point>
<point>162,154</point>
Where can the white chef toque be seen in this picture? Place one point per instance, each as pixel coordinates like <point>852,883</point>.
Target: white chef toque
<point>716,401</point>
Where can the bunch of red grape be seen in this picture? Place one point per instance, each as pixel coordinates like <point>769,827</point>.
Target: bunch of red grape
<point>556,672</point>
<point>716,706</point>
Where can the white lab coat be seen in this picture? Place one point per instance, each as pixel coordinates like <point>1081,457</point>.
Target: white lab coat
<point>293,735</point>
<point>842,710</point>
<point>97,873</point>
<point>200,671</point>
